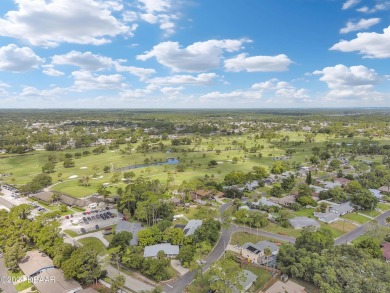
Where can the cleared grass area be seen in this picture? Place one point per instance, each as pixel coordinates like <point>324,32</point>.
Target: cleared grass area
<point>271,227</point>
<point>341,226</point>
<point>94,242</point>
<point>23,286</point>
<point>306,212</point>
<point>384,207</point>
<point>356,218</point>
<point>239,238</point>
<point>71,233</point>
<point>372,213</point>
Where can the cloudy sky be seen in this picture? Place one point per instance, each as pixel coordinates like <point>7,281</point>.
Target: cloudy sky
<point>194,53</point>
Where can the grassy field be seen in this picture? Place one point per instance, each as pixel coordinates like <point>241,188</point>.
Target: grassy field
<point>372,213</point>
<point>384,207</point>
<point>306,212</point>
<point>96,243</point>
<point>71,233</point>
<point>271,227</point>
<point>239,238</point>
<point>356,218</point>
<point>195,163</point>
<point>23,285</point>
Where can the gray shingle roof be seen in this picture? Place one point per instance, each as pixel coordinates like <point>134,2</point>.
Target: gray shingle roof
<point>129,227</point>
<point>342,208</point>
<point>169,249</point>
<point>191,227</point>
<point>303,222</point>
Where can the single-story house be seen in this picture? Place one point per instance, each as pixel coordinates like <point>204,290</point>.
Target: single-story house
<point>377,193</point>
<point>46,196</point>
<point>384,189</point>
<point>129,227</point>
<point>342,181</point>
<point>219,194</point>
<point>327,217</point>
<point>255,252</point>
<point>176,201</point>
<point>191,227</point>
<point>284,201</point>
<point>288,287</point>
<point>303,222</point>
<point>251,185</point>
<point>342,209</point>
<point>45,277</point>
<point>317,189</point>
<point>200,194</point>
<point>264,202</point>
<point>250,278</point>
<point>386,251</point>
<point>170,250</point>
<point>330,185</point>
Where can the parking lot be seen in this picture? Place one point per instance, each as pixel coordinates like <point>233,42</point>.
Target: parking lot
<point>76,223</point>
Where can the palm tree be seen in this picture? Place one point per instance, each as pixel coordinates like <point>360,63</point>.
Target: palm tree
<point>387,220</point>
<point>267,254</point>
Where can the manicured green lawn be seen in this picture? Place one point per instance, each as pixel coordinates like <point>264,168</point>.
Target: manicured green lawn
<point>23,286</point>
<point>96,243</point>
<point>306,212</point>
<point>71,233</point>
<point>384,207</point>
<point>356,218</point>
<point>271,227</point>
<point>239,238</point>
<point>372,213</point>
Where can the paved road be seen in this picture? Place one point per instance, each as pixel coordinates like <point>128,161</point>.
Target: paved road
<point>6,287</point>
<point>352,235</point>
<point>6,203</point>
<point>130,282</point>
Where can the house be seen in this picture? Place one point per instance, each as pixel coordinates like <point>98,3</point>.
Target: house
<point>342,209</point>
<point>129,227</point>
<point>386,251</point>
<point>176,201</point>
<point>330,185</point>
<point>249,279</point>
<point>342,181</point>
<point>284,201</point>
<point>264,202</point>
<point>251,185</point>
<point>385,189</point>
<point>327,217</point>
<point>317,189</point>
<point>288,287</point>
<point>38,266</point>
<point>377,193</point>
<point>170,250</point>
<point>255,252</point>
<point>303,222</point>
<point>191,227</point>
<point>219,194</point>
<point>200,194</point>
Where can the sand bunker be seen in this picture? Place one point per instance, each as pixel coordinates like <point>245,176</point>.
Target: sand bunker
<point>220,162</point>
<point>73,177</point>
<point>82,168</point>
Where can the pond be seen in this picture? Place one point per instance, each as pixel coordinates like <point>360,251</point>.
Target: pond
<point>170,161</point>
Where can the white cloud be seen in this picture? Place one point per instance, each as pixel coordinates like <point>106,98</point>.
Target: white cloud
<point>199,56</point>
<point>200,79</point>
<point>349,3</point>
<point>362,24</point>
<point>354,83</point>
<point>384,5</point>
<point>86,61</point>
<point>159,11</point>
<point>142,73</point>
<point>273,90</point>
<point>4,89</point>
<point>15,59</point>
<point>258,63</point>
<point>29,91</point>
<point>371,45</point>
<point>50,70</point>
<point>172,91</point>
<point>43,23</point>
<point>84,80</point>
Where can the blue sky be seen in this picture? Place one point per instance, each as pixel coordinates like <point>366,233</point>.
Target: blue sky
<point>194,53</point>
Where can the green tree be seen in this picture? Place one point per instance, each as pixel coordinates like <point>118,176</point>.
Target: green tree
<point>121,239</point>
<point>226,276</point>
<point>371,246</point>
<point>117,283</point>
<point>314,240</point>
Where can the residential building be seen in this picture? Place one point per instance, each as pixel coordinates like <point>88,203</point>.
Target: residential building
<point>288,287</point>
<point>191,227</point>
<point>327,217</point>
<point>133,228</point>
<point>303,222</point>
<point>386,251</point>
<point>342,209</point>
<point>170,250</point>
<point>38,266</point>
<point>255,252</point>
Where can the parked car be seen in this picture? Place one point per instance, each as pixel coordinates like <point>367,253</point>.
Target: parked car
<point>107,208</point>
<point>83,230</point>
<point>97,227</point>
<point>107,232</point>
<point>108,228</point>
<point>66,217</point>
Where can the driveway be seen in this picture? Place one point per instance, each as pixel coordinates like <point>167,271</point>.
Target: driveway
<point>6,287</point>
<point>133,284</point>
<point>98,235</point>
<point>6,203</point>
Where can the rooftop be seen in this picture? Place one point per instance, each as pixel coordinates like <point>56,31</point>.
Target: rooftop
<point>129,227</point>
<point>303,222</point>
<point>58,283</point>
<point>169,249</point>
<point>191,227</point>
<point>34,262</point>
<point>288,287</point>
